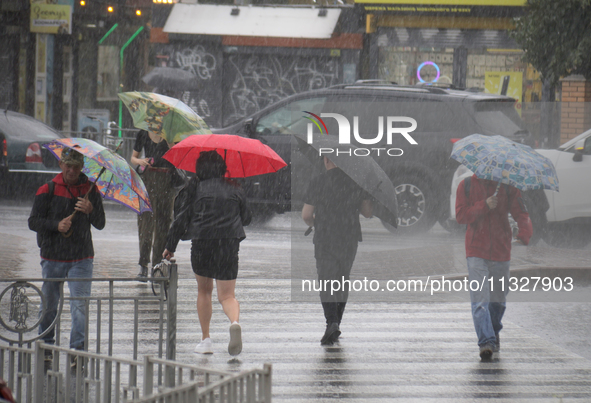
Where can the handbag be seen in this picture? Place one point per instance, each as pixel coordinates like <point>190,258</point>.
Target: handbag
<point>178,178</point>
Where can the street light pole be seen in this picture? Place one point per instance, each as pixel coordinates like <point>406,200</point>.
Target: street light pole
<point>140,29</point>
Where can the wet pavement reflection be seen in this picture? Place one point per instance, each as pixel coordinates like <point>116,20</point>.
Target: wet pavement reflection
<point>404,351</point>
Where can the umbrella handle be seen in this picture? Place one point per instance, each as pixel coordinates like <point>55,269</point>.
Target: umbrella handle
<point>71,230</point>
<point>497,190</point>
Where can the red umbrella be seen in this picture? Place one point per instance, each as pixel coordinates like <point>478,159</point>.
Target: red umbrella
<point>244,156</point>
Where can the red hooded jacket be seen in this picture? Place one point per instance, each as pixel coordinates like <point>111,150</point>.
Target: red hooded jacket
<point>488,235</point>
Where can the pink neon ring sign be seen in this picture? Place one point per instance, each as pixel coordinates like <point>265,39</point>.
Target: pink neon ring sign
<point>423,65</point>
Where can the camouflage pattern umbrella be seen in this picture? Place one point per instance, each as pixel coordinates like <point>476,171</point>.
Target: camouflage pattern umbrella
<point>168,117</point>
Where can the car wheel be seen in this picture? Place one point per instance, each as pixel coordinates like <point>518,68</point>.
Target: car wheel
<point>417,210</point>
<point>567,236</point>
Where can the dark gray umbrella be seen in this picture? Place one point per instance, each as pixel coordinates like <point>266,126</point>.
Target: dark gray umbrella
<point>364,171</point>
<point>170,78</point>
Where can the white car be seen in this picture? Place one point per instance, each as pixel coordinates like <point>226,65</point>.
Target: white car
<point>569,215</point>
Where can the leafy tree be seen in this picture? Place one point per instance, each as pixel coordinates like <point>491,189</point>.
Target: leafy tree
<point>556,37</point>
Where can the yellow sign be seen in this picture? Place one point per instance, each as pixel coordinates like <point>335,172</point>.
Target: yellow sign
<point>501,3</point>
<point>508,83</point>
<point>51,19</point>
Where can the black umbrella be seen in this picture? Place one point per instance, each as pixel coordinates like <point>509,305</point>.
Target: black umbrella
<point>364,171</point>
<point>170,78</point>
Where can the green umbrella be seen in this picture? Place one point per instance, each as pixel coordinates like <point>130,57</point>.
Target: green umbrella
<point>168,117</point>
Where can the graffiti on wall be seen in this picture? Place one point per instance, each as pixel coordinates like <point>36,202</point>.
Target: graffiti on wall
<point>253,82</point>
<point>197,61</point>
<point>201,62</point>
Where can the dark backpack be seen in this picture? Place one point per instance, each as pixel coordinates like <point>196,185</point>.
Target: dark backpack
<point>51,186</point>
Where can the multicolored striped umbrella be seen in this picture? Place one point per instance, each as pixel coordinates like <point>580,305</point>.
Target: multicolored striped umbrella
<point>168,117</point>
<point>501,160</point>
<point>120,182</point>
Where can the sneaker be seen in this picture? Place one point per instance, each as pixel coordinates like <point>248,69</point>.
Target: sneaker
<point>205,347</point>
<point>486,351</point>
<point>235,344</point>
<point>143,274</point>
<point>331,335</point>
<point>497,347</point>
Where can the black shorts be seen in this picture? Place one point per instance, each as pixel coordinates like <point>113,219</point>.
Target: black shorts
<point>215,258</point>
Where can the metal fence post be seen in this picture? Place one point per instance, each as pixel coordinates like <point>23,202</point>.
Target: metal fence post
<point>148,376</point>
<point>171,322</point>
<point>39,367</point>
<point>268,369</point>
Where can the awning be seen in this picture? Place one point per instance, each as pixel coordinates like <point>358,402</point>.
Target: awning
<point>281,22</point>
<point>445,38</point>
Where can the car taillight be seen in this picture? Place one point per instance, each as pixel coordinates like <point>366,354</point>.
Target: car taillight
<point>454,140</point>
<point>33,153</point>
<point>4,148</point>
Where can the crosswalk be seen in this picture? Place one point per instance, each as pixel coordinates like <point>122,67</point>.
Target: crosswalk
<point>411,352</point>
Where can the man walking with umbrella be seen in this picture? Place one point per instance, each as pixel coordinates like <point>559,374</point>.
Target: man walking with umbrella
<point>62,255</point>
<point>332,206</point>
<point>485,206</point>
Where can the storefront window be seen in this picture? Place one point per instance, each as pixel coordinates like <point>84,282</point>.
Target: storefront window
<point>413,65</point>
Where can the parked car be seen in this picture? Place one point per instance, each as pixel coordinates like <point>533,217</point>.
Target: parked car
<point>422,173</point>
<point>23,160</point>
<point>569,213</point>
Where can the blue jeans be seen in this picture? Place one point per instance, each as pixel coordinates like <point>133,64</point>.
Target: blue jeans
<point>50,289</point>
<point>488,305</point>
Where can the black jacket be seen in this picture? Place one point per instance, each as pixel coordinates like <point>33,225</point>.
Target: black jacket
<point>48,211</point>
<point>209,209</point>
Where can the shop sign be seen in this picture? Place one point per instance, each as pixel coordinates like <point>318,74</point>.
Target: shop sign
<point>51,18</point>
<point>474,8</point>
<point>508,83</point>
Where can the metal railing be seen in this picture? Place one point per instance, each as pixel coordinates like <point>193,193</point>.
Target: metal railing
<point>102,378</point>
<point>110,139</point>
<point>99,377</point>
<point>20,320</point>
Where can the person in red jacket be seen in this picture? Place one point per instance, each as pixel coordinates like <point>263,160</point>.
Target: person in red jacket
<point>484,207</point>
<point>66,256</point>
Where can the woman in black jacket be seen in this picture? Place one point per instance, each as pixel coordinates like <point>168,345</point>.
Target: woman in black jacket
<point>212,212</point>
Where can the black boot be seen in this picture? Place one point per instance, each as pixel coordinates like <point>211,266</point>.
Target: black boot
<point>143,274</point>
<point>331,335</point>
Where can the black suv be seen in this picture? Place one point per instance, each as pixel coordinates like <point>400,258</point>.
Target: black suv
<point>421,172</point>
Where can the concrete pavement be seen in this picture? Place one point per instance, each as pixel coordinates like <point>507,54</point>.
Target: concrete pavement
<point>402,351</point>
<point>408,352</point>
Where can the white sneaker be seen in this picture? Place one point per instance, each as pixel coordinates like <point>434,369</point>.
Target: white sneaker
<point>205,347</point>
<point>235,345</point>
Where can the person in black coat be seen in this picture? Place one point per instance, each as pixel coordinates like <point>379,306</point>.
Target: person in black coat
<point>212,213</point>
<point>332,206</point>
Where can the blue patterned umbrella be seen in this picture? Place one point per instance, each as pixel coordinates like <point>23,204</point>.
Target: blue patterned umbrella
<point>501,160</point>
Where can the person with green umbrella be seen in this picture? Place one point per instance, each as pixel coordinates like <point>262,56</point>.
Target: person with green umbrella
<point>156,174</point>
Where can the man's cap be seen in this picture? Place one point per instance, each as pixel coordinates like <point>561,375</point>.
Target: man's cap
<point>72,157</point>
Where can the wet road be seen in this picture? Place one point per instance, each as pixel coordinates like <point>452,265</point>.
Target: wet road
<point>411,351</point>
